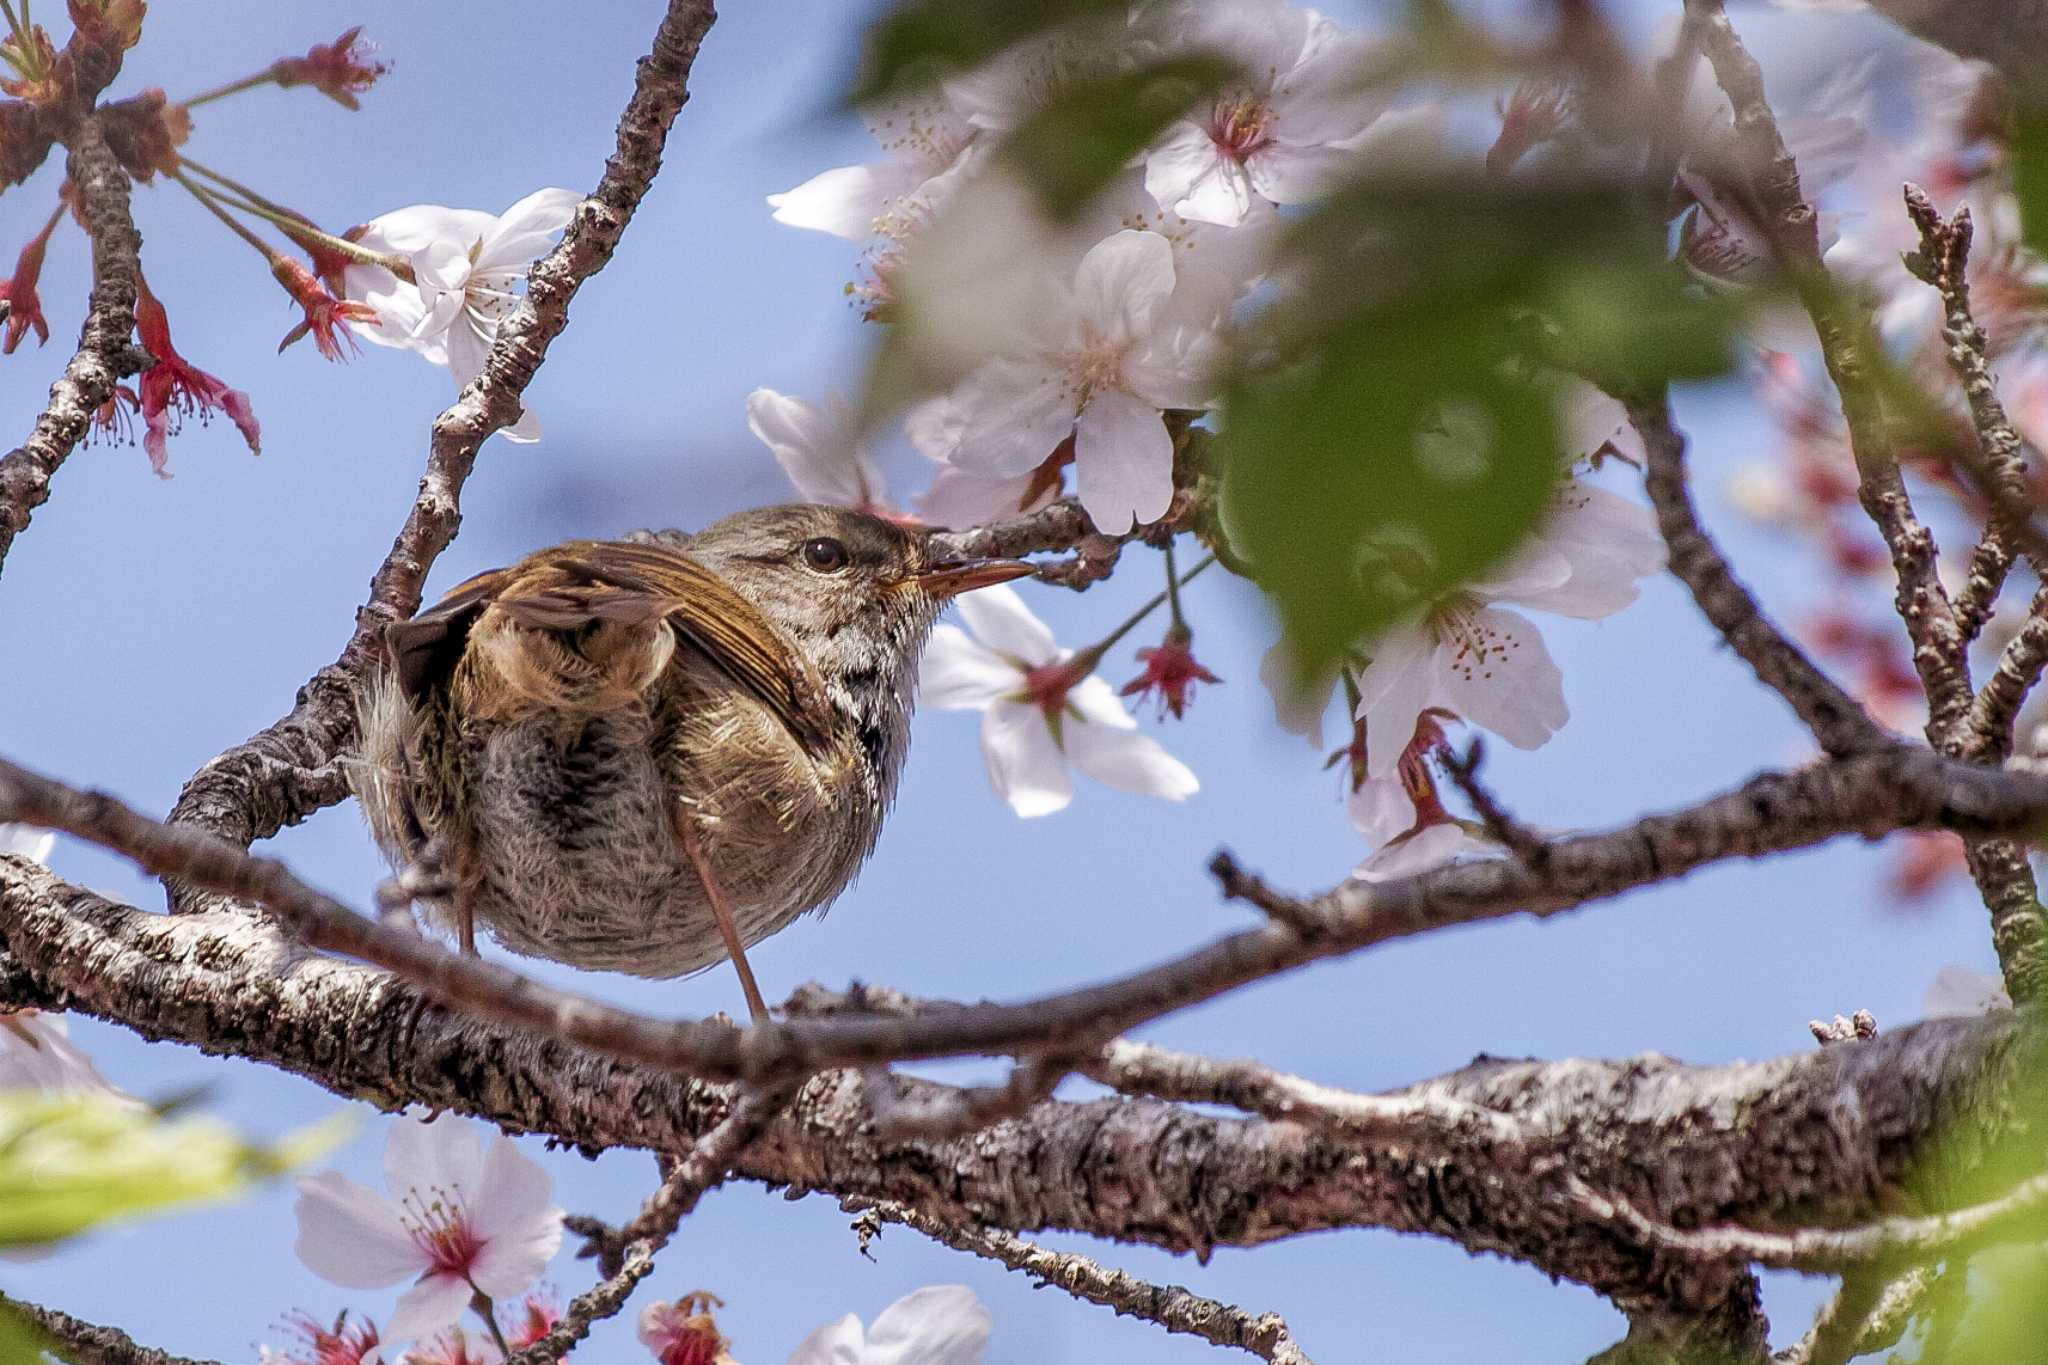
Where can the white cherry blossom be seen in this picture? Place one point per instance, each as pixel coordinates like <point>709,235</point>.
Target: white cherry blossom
<point>1421,850</point>
<point>468,267</point>
<point>464,1217</point>
<point>819,448</point>
<point>1040,711</point>
<point>1487,664</point>
<point>1100,359</point>
<point>1283,135</point>
<point>36,1053</point>
<point>942,1324</point>
<point>924,139</point>
<point>26,841</point>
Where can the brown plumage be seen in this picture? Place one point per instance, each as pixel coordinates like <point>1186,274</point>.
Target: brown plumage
<point>557,734</point>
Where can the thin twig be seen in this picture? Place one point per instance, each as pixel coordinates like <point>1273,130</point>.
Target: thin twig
<point>2015,675</point>
<point>963,1109</point>
<point>1173,1307</point>
<point>88,380</point>
<point>1868,1313</point>
<point>2013,1216</point>
<point>1836,719</point>
<point>709,1162</point>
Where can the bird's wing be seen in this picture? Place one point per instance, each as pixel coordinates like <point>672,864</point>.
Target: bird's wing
<point>589,581</point>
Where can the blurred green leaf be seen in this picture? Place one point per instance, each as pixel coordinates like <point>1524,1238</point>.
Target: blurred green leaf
<point>1386,437</point>
<point>21,1340</point>
<point>1070,150</point>
<point>919,42</point>
<point>69,1162</point>
<point>2030,174</point>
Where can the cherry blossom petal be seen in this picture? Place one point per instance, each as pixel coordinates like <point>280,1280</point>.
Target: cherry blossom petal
<point>1287,173</point>
<point>1187,173</point>
<point>1000,620</point>
<point>1016,413</point>
<point>437,1301</point>
<point>849,201</point>
<point>513,1213</point>
<point>958,499</point>
<point>1423,850</point>
<point>836,1343</point>
<point>1392,691</point>
<point>1099,703</point>
<point>942,1324</point>
<point>1495,672</point>
<point>1123,461</point>
<point>1123,283</point>
<point>957,674</point>
<point>1175,368</point>
<point>1128,761</point>
<point>1297,711</point>
<point>444,1155</point>
<point>522,233</point>
<point>1024,765</point>
<point>1380,809</point>
<point>408,230</point>
<point>1323,99</point>
<point>816,448</point>
<point>36,1051</point>
<point>26,841</point>
<point>351,1236</point>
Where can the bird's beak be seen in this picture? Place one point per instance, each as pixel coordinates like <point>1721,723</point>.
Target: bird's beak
<point>953,577</point>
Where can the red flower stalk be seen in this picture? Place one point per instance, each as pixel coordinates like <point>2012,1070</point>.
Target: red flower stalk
<point>174,387</point>
<point>1171,669</point>
<point>324,312</point>
<point>24,305</point>
<point>340,70</point>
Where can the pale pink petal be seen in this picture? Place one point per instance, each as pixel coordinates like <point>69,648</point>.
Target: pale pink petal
<point>849,201</point>
<point>958,499</point>
<point>1423,850</point>
<point>514,1198</point>
<point>1187,173</point>
<point>1323,100</point>
<point>1495,672</point>
<point>351,1236</point>
<point>1128,761</point>
<point>1298,711</point>
<point>467,350</point>
<point>1024,765</point>
<point>942,1324</point>
<point>407,230</point>
<point>1175,368</point>
<point>26,841</point>
<point>1392,691</point>
<point>1289,174</point>
<point>434,1303</point>
<point>36,1051</point>
<point>1123,461</point>
<point>957,674</point>
<point>836,1343</point>
<point>1380,809</point>
<point>1014,414</point>
<point>401,311</point>
<point>1000,620</point>
<point>818,452</point>
<point>1123,283</point>
<point>444,1155</point>
<point>525,431</point>
<point>525,231</point>
<point>1099,704</point>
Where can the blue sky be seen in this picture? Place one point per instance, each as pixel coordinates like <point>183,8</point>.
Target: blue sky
<point>152,623</point>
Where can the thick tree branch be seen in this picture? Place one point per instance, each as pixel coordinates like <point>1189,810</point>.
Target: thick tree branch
<point>88,380</point>
<point>83,1343</point>
<point>1837,720</point>
<point>1172,1306</point>
<point>286,772</point>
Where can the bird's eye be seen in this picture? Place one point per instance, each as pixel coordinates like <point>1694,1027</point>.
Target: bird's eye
<point>825,554</point>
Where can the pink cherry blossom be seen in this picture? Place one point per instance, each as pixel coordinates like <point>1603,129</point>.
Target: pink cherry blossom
<point>942,1324</point>
<point>1040,711</point>
<point>820,449</point>
<point>464,1218</point>
<point>1283,135</point>
<point>1100,357</point>
<point>924,139</point>
<point>684,1332</point>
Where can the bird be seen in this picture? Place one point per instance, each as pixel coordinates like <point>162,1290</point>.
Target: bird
<point>645,754</point>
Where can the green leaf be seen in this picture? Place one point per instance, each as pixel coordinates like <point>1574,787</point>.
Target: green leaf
<point>1386,437</point>
<point>22,1342</point>
<point>2030,174</point>
<point>919,42</point>
<point>1071,150</point>
<point>69,1162</point>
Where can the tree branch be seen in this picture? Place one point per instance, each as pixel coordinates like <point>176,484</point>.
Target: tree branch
<point>83,1343</point>
<point>1836,719</point>
<point>1174,1307</point>
<point>88,380</point>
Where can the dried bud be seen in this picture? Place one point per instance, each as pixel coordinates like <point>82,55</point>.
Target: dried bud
<point>340,70</point>
<point>24,142</point>
<point>1172,671</point>
<point>144,131</point>
<point>115,25</point>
